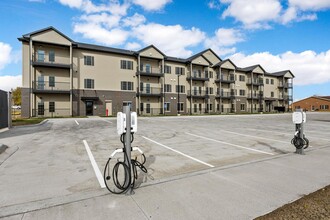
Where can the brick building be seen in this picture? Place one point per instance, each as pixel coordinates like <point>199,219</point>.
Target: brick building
<point>313,103</point>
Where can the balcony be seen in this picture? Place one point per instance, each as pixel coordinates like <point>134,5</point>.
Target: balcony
<point>51,87</point>
<point>225,95</point>
<point>150,71</point>
<point>197,94</point>
<point>255,82</point>
<point>285,85</point>
<point>255,96</point>
<point>150,91</point>
<point>198,76</point>
<point>225,79</point>
<point>42,61</point>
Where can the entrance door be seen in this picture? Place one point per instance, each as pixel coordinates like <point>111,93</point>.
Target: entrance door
<point>108,106</point>
<point>89,108</point>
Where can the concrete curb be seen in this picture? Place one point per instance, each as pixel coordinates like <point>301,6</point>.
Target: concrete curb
<point>8,152</point>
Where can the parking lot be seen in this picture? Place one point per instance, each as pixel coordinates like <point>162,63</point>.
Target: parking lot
<point>47,165</point>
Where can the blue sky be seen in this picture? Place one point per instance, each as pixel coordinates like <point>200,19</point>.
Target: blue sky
<point>278,34</point>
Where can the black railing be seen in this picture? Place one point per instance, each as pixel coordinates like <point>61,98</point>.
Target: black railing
<point>198,93</point>
<point>150,71</point>
<point>150,91</point>
<point>225,94</point>
<point>225,78</point>
<point>256,82</point>
<point>43,60</point>
<point>51,86</point>
<point>198,76</point>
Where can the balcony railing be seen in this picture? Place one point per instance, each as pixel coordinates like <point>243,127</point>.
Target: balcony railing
<point>225,79</point>
<point>150,91</point>
<point>51,87</point>
<point>197,94</point>
<point>150,71</point>
<point>57,112</point>
<point>226,95</point>
<point>285,85</point>
<point>255,96</point>
<point>255,82</point>
<point>198,76</point>
<point>43,61</point>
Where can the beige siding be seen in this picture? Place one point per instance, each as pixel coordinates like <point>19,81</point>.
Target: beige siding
<point>228,65</point>
<point>152,53</point>
<point>258,70</point>
<point>51,37</point>
<point>200,61</point>
<point>25,65</point>
<point>211,57</point>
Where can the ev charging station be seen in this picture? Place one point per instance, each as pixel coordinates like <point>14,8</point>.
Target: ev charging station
<point>126,127</point>
<point>299,140</point>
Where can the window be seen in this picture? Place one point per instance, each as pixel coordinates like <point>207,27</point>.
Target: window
<point>167,106</point>
<point>272,81</point>
<point>209,107</point>
<point>272,94</point>
<point>168,88</point>
<point>242,92</point>
<point>51,56</point>
<point>242,107</point>
<point>141,107</point>
<point>127,103</point>
<point>51,106</point>
<point>179,70</point>
<point>148,108</point>
<point>41,55</point>
<point>126,64</point>
<point>167,69</point>
<point>210,90</point>
<point>41,108</point>
<point>267,81</point>
<point>211,75</point>
<point>180,90</point>
<point>324,107</point>
<point>89,83</point>
<point>126,85</point>
<point>89,60</point>
<point>242,78</point>
<point>180,106</point>
<point>51,81</point>
<point>195,108</point>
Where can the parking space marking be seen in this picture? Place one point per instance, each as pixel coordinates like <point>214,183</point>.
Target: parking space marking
<point>106,121</point>
<point>76,122</point>
<point>234,145</point>
<point>246,135</point>
<point>176,151</point>
<point>95,167</point>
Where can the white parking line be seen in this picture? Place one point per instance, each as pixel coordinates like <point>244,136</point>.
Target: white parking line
<point>95,167</point>
<point>246,135</point>
<point>234,145</point>
<point>76,122</point>
<point>106,121</point>
<point>176,151</point>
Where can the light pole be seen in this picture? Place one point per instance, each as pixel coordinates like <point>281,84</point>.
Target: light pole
<point>178,105</point>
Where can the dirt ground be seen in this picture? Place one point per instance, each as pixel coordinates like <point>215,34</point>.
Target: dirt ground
<point>313,206</point>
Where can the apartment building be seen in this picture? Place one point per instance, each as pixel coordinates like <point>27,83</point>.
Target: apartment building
<point>62,77</point>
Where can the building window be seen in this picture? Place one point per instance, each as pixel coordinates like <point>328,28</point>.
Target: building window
<point>126,85</point>
<point>51,81</point>
<point>168,88</point>
<point>210,74</point>
<point>89,60</point>
<point>179,71</point>
<point>41,55</point>
<point>180,89</point>
<point>180,106</point>
<point>148,109</point>
<point>89,83</point>
<point>141,107</point>
<point>242,107</point>
<point>126,64</point>
<point>51,106</point>
<point>242,92</point>
<point>51,56</point>
<point>41,108</point>
<point>242,78</point>
<point>167,69</point>
<point>267,81</point>
<point>272,94</point>
<point>324,107</point>
<point>272,81</point>
<point>167,106</point>
<point>209,90</point>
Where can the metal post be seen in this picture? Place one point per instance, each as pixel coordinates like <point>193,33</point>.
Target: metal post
<point>127,161</point>
<point>178,105</point>
<point>300,128</point>
<point>9,110</point>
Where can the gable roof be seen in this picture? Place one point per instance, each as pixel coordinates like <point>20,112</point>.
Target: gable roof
<point>189,59</point>
<point>314,96</point>
<point>152,46</point>
<point>282,73</point>
<point>50,28</point>
<point>222,62</point>
<point>103,48</point>
<point>250,68</point>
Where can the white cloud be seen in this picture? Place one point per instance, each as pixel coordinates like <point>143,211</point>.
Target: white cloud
<point>5,54</point>
<point>10,82</point>
<point>214,4</point>
<point>310,5</point>
<point>308,66</point>
<point>115,36</point>
<point>253,13</point>
<point>133,46</point>
<point>152,5</point>
<point>223,39</point>
<point>173,40</point>
<point>134,20</point>
<point>103,19</point>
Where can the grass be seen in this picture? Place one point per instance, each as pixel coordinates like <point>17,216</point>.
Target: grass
<point>26,121</point>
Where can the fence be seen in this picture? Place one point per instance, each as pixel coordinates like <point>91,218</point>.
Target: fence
<point>5,106</point>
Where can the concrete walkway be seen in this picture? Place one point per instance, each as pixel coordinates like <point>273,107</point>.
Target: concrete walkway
<point>242,191</point>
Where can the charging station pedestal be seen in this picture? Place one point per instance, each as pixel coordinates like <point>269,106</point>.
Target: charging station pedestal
<point>299,140</point>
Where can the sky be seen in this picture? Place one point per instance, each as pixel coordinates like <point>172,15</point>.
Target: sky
<point>277,34</point>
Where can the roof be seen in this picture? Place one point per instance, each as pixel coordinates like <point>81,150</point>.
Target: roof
<point>189,59</point>
<point>28,35</point>
<point>282,73</point>
<point>326,98</point>
<point>250,68</point>
<point>223,61</point>
<point>104,49</point>
<point>152,46</point>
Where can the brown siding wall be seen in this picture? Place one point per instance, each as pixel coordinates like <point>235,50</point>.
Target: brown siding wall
<point>307,104</point>
<point>25,112</point>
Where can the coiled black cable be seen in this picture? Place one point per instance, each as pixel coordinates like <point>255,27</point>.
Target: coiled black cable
<point>299,142</point>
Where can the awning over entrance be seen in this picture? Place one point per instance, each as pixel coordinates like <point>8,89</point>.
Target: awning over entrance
<point>84,98</point>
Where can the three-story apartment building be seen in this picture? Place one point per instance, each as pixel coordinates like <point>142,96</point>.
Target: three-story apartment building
<point>62,77</point>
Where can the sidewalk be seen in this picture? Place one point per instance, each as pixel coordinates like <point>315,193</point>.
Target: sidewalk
<point>243,191</point>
